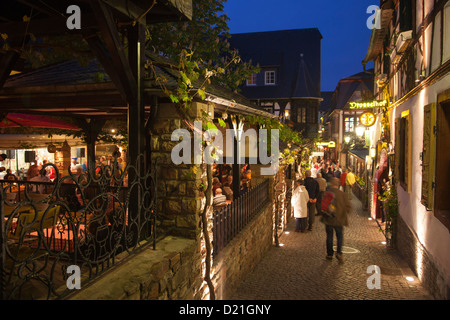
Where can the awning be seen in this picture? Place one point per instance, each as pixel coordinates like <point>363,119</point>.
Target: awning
<point>36,121</point>
<point>360,153</point>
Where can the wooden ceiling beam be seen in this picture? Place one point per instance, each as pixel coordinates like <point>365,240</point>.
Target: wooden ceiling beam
<point>38,8</point>
<point>46,27</point>
<point>107,26</point>
<point>7,63</point>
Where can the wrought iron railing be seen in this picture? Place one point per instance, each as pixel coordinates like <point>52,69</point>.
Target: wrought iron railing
<point>91,221</point>
<point>230,220</point>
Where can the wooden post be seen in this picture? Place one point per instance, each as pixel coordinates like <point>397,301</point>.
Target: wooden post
<point>136,108</point>
<point>7,63</point>
<point>136,115</point>
<point>91,128</point>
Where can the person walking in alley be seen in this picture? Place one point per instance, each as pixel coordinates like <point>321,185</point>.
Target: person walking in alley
<point>322,187</point>
<point>349,182</point>
<point>312,186</point>
<point>336,222</point>
<point>342,178</point>
<point>299,202</point>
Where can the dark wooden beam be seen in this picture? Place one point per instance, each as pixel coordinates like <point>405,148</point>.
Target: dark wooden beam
<point>110,34</point>
<point>60,100</point>
<point>136,108</point>
<point>38,8</point>
<point>91,129</point>
<point>46,26</point>
<point>104,58</point>
<point>7,62</point>
<point>136,113</point>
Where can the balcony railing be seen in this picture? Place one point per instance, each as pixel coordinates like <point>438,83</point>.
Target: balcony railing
<point>90,221</point>
<point>230,220</point>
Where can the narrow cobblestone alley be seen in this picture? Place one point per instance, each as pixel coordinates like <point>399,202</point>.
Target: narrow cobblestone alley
<point>298,270</point>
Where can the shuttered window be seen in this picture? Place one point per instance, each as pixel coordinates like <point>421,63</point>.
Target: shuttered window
<point>428,155</point>
<point>403,151</point>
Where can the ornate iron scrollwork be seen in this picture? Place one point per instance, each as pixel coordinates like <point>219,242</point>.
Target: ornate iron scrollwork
<point>90,219</point>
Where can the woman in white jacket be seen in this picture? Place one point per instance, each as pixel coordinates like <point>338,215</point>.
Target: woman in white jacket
<point>299,202</point>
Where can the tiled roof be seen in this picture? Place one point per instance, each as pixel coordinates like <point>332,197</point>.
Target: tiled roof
<point>68,72</point>
<point>71,73</point>
<point>296,55</point>
<point>347,87</point>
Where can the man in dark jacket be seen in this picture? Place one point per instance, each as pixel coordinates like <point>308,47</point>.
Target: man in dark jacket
<point>339,221</point>
<point>312,186</point>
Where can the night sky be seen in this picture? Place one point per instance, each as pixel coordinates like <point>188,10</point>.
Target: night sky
<point>342,24</point>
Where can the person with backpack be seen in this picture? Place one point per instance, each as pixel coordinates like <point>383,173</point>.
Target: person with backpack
<point>335,208</point>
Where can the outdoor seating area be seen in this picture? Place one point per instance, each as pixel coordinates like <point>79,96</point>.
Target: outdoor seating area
<point>84,220</point>
<point>224,187</point>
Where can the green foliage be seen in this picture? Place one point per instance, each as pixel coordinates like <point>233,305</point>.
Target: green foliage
<point>389,197</point>
<point>390,203</point>
<point>205,37</point>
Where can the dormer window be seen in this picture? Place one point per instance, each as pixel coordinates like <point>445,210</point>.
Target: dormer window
<point>269,78</point>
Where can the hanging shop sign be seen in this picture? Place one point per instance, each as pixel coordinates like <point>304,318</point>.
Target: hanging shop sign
<point>367,119</point>
<point>330,144</point>
<point>368,104</point>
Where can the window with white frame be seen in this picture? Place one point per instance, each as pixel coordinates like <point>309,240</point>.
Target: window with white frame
<point>269,78</point>
<point>350,123</point>
<point>251,80</point>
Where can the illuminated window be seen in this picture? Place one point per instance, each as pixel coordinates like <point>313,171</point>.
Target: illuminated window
<point>269,78</point>
<point>251,80</point>
<point>350,123</point>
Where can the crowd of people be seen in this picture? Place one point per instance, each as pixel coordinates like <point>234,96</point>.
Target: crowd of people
<point>222,183</point>
<point>324,179</point>
<point>328,170</point>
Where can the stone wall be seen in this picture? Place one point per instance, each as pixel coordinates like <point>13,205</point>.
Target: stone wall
<point>171,272</point>
<point>179,196</point>
<point>420,262</point>
<point>175,270</point>
<point>238,259</point>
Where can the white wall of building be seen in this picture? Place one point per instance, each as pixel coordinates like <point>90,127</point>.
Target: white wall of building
<point>431,233</point>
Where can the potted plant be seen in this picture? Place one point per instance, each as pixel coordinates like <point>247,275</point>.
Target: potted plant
<point>390,204</point>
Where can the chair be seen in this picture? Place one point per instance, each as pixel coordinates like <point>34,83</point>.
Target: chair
<point>25,226</point>
<point>44,220</point>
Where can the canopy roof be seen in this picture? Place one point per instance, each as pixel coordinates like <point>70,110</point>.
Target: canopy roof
<point>36,121</point>
<point>69,89</point>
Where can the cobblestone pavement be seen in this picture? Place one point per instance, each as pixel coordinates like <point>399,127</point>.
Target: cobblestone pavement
<point>298,270</point>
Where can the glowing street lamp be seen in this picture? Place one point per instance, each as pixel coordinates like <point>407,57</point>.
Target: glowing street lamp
<point>347,139</point>
<point>360,131</point>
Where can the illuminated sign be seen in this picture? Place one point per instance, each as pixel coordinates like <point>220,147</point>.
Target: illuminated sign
<point>367,119</point>
<point>368,104</point>
<point>330,144</point>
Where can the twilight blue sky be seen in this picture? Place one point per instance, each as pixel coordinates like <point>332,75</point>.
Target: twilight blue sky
<point>342,24</point>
